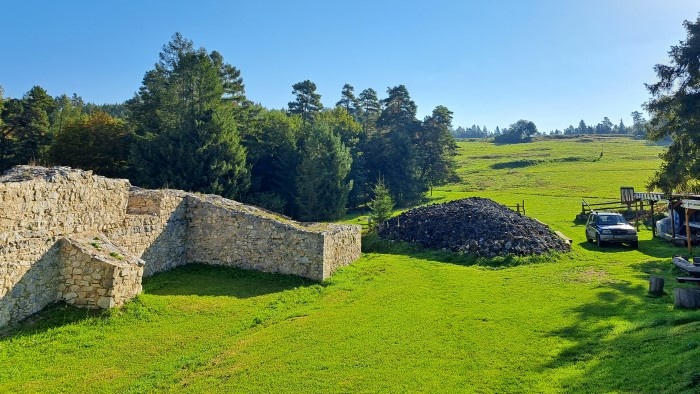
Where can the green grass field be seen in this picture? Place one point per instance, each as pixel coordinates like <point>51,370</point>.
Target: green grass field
<point>402,320</point>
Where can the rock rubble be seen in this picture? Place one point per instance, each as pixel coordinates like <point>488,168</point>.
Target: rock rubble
<point>475,226</point>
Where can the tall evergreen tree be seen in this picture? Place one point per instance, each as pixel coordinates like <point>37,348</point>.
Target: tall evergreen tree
<point>381,204</point>
<point>674,113</point>
<point>437,148</point>
<point>307,102</point>
<point>272,154</point>
<point>348,100</point>
<point>186,132</point>
<point>370,108</point>
<point>394,155</point>
<point>26,131</point>
<point>321,181</point>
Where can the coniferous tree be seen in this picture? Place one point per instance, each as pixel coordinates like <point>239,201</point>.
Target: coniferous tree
<point>307,103</point>
<point>321,181</point>
<point>348,100</point>
<point>272,154</point>
<point>437,148</point>
<point>674,114</point>
<point>381,204</point>
<point>25,135</point>
<point>370,108</point>
<point>394,153</point>
<point>186,134</point>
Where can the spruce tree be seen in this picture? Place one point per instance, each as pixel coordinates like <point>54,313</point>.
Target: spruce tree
<point>382,204</point>
<point>186,135</point>
<point>322,175</point>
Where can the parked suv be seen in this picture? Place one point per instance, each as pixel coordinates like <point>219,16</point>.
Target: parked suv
<point>604,227</point>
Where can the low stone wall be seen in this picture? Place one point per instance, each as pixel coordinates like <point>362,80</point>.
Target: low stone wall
<point>341,246</point>
<point>225,232</point>
<point>94,273</point>
<point>52,218</point>
<point>154,228</point>
<point>37,207</point>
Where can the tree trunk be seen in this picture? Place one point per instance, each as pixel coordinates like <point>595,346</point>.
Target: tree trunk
<point>656,285</point>
<point>687,298</point>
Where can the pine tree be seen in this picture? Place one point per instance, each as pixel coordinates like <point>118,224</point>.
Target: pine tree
<point>307,103</point>
<point>382,204</point>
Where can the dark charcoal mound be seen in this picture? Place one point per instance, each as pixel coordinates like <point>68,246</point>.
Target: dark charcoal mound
<point>476,226</point>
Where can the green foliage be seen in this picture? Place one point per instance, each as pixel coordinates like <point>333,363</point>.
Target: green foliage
<point>322,186</point>
<point>520,131</point>
<point>400,319</point>
<point>25,132</point>
<point>95,142</point>
<point>437,148</point>
<point>369,108</point>
<point>382,204</point>
<point>674,113</point>
<point>186,131</point>
<point>392,152</point>
<point>349,101</point>
<point>307,103</point>
<point>271,142</point>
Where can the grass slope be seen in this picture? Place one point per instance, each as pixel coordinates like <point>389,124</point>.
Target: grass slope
<point>401,320</point>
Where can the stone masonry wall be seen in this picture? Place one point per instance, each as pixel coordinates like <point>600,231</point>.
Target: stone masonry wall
<point>154,229</point>
<point>50,218</point>
<point>37,207</point>
<point>227,233</point>
<point>94,273</point>
<point>340,247</point>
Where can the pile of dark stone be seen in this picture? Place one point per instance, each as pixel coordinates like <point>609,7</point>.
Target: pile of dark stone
<point>475,226</point>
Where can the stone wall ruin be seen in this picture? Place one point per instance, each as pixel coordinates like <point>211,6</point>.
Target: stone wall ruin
<point>70,235</point>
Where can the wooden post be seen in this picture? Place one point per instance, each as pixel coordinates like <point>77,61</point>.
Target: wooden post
<point>653,221</point>
<point>656,285</point>
<point>524,208</point>
<point>687,231</point>
<point>687,298</point>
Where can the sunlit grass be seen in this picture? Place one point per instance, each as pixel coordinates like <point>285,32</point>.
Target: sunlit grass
<point>401,319</point>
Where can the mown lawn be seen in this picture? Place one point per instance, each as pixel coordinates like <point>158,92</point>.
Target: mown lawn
<point>402,320</point>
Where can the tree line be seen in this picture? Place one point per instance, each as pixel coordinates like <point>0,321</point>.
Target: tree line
<point>191,127</point>
<point>511,134</point>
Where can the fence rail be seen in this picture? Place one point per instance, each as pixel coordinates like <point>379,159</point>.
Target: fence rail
<point>518,207</point>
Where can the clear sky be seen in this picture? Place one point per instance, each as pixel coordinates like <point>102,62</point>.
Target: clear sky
<point>491,62</point>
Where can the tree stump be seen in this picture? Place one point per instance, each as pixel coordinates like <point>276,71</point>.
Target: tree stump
<point>687,298</point>
<point>656,285</point>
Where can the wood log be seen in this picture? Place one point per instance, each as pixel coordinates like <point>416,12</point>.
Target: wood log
<point>687,298</point>
<point>656,285</point>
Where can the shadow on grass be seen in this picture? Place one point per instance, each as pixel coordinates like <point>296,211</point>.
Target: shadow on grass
<point>371,243</point>
<point>654,248</point>
<point>628,341</point>
<point>210,280</point>
<point>53,316</point>
<point>191,279</point>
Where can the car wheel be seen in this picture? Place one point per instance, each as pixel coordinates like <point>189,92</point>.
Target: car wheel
<point>598,241</point>
<point>634,244</point>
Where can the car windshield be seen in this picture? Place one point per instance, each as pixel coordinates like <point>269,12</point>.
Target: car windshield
<point>610,219</point>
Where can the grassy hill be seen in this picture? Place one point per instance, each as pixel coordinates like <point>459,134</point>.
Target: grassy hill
<point>401,321</point>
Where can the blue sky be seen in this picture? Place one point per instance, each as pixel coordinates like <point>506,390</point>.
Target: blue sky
<point>490,62</point>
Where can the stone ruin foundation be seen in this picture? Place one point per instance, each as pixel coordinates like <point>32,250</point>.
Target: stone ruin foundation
<point>87,240</point>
